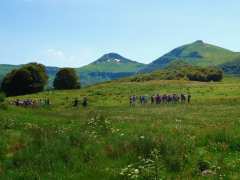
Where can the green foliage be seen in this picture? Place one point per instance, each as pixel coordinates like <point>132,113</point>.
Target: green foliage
<point>66,78</point>
<point>30,78</point>
<point>90,74</point>
<point>181,70</point>
<point>205,74</point>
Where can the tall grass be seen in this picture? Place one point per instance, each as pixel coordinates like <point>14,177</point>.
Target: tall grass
<point>110,140</point>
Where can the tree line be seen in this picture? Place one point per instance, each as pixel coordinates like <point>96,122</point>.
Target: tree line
<point>185,71</point>
<point>33,78</point>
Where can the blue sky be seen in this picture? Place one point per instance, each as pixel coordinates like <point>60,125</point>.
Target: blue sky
<point>77,32</point>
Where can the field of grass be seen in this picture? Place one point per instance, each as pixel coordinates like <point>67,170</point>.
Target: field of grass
<point>111,140</point>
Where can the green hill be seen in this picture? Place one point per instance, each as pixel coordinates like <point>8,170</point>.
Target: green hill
<point>197,53</point>
<point>109,67</point>
<point>112,62</point>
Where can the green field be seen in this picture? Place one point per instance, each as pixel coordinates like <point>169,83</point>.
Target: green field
<point>111,140</point>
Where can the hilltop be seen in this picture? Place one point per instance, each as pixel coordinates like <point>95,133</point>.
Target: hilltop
<point>197,53</point>
<point>108,67</point>
<point>112,62</point>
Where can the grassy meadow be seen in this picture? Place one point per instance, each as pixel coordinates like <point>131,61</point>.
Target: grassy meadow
<point>111,140</point>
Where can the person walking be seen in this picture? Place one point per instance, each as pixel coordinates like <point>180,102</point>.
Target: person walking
<point>75,102</point>
<point>85,102</point>
<point>189,98</point>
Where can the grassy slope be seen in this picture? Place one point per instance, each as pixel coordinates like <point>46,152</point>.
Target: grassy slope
<point>111,67</point>
<point>197,53</point>
<point>64,142</point>
<point>232,67</point>
<point>107,71</point>
<point>212,55</point>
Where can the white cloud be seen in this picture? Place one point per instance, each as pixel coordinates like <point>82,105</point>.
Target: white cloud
<point>55,53</point>
<point>57,57</point>
<point>62,58</point>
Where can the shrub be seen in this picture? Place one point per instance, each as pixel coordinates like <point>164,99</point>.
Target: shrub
<point>30,78</point>
<point>66,78</point>
<point>205,74</point>
<point>214,74</point>
<point>182,71</point>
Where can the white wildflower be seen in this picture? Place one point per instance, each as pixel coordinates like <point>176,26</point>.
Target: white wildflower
<point>136,171</point>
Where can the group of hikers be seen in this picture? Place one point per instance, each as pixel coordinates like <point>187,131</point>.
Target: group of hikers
<point>133,100</point>
<point>45,102</point>
<point>31,102</point>
<point>160,99</point>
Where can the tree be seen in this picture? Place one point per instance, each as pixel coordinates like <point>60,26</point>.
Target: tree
<point>66,78</point>
<point>205,74</point>
<point>214,74</point>
<point>30,78</point>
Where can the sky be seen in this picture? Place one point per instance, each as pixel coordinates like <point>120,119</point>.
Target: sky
<point>73,33</point>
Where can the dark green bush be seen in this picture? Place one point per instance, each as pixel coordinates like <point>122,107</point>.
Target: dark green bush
<point>177,71</point>
<point>66,78</point>
<point>205,74</point>
<point>30,78</point>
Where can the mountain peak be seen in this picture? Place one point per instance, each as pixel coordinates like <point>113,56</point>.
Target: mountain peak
<point>112,58</point>
<point>199,42</point>
<point>113,63</point>
<point>112,55</point>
